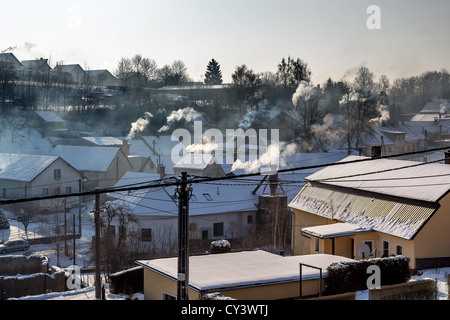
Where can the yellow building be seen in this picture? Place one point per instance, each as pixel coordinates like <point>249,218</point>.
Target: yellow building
<point>246,275</point>
<point>395,207</point>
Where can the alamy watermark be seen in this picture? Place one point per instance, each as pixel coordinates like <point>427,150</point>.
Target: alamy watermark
<point>373,22</point>
<point>248,149</point>
<point>74,279</point>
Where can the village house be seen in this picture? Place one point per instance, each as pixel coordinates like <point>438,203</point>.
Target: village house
<point>76,72</point>
<point>245,275</point>
<point>101,78</point>
<point>25,176</point>
<point>9,59</point>
<point>36,70</point>
<point>50,124</point>
<point>139,163</point>
<point>215,211</point>
<point>395,207</point>
<point>101,167</point>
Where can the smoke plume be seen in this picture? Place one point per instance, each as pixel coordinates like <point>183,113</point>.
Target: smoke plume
<point>139,125</point>
<point>188,114</point>
<point>384,115</point>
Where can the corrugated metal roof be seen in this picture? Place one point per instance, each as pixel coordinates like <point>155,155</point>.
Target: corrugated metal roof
<point>378,214</point>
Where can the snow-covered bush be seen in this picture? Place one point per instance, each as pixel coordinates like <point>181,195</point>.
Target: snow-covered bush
<point>220,246</point>
<point>352,276</point>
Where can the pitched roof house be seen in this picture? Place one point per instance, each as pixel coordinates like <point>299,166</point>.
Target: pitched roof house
<point>392,206</point>
<point>11,60</point>
<point>75,70</point>
<point>25,175</point>
<point>101,78</point>
<point>102,167</point>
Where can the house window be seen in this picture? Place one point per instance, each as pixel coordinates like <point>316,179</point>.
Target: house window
<point>399,250</point>
<point>208,196</point>
<point>68,189</point>
<point>112,231</point>
<point>385,248</point>
<point>57,174</point>
<point>218,229</point>
<point>192,227</point>
<point>250,219</point>
<point>168,296</point>
<point>57,190</point>
<point>316,244</point>
<point>370,244</point>
<point>205,235</point>
<point>146,234</point>
<point>4,192</point>
<point>45,191</point>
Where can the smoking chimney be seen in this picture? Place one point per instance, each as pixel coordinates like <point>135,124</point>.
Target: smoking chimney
<point>376,151</point>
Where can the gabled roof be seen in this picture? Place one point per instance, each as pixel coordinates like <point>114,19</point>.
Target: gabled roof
<point>392,196</point>
<point>49,116</point>
<point>103,141</point>
<point>398,178</point>
<point>9,57</point>
<point>85,158</point>
<point>206,198</point>
<point>36,64</point>
<point>23,167</point>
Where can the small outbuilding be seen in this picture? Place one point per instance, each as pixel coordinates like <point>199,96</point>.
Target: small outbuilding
<point>245,275</point>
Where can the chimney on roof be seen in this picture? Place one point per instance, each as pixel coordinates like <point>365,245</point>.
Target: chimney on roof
<point>125,147</point>
<point>447,157</point>
<point>161,170</point>
<point>376,151</point>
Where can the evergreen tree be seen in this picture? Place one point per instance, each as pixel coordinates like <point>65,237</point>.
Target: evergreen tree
<point>213,74</point>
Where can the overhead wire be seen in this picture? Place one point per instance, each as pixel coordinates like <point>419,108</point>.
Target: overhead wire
<point>152,184</point>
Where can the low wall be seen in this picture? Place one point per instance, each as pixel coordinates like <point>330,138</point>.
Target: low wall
<point>34,284</point>
<point>18,264</point>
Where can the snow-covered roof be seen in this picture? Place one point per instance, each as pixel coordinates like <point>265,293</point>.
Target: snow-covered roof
<point>103,141</point>
<point>85,158</point>
<point>23,167</point>
<point>243,269</point>
<point>207,199</point>
<point>49,116</point>
<point>406,179</point>
<point>195,161</point>
<point>334,230</point>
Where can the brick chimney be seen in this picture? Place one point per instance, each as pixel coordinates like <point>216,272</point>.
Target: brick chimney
<point>125,147</point>
<point>376,151</point>
<point>447,157</point>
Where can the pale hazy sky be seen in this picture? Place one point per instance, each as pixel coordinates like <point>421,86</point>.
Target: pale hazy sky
<point>331,36</point>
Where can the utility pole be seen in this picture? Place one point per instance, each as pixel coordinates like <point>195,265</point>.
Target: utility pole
<point>79,207</point>
<point>73,235</point>
<point>183,239</point>
<point>98,289</point>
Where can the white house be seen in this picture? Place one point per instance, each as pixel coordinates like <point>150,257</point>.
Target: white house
<point>25,176</point>
<point>225,211</point>
<point>102,167</point>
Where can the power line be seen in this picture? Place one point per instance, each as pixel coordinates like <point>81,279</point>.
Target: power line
<point>164,183</point>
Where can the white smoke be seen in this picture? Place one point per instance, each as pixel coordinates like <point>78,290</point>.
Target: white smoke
<point>304,90</point>
<point>188,114</point>
<point>270,160</point>
<point>384,115</point>
<point>139,125</point>
<point>327,133</point>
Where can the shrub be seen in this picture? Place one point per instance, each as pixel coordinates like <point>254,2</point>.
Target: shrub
<point>352,276</point>
<point>220,246</point>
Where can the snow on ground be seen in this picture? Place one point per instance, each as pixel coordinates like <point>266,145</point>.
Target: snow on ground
<point>82,260</point>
